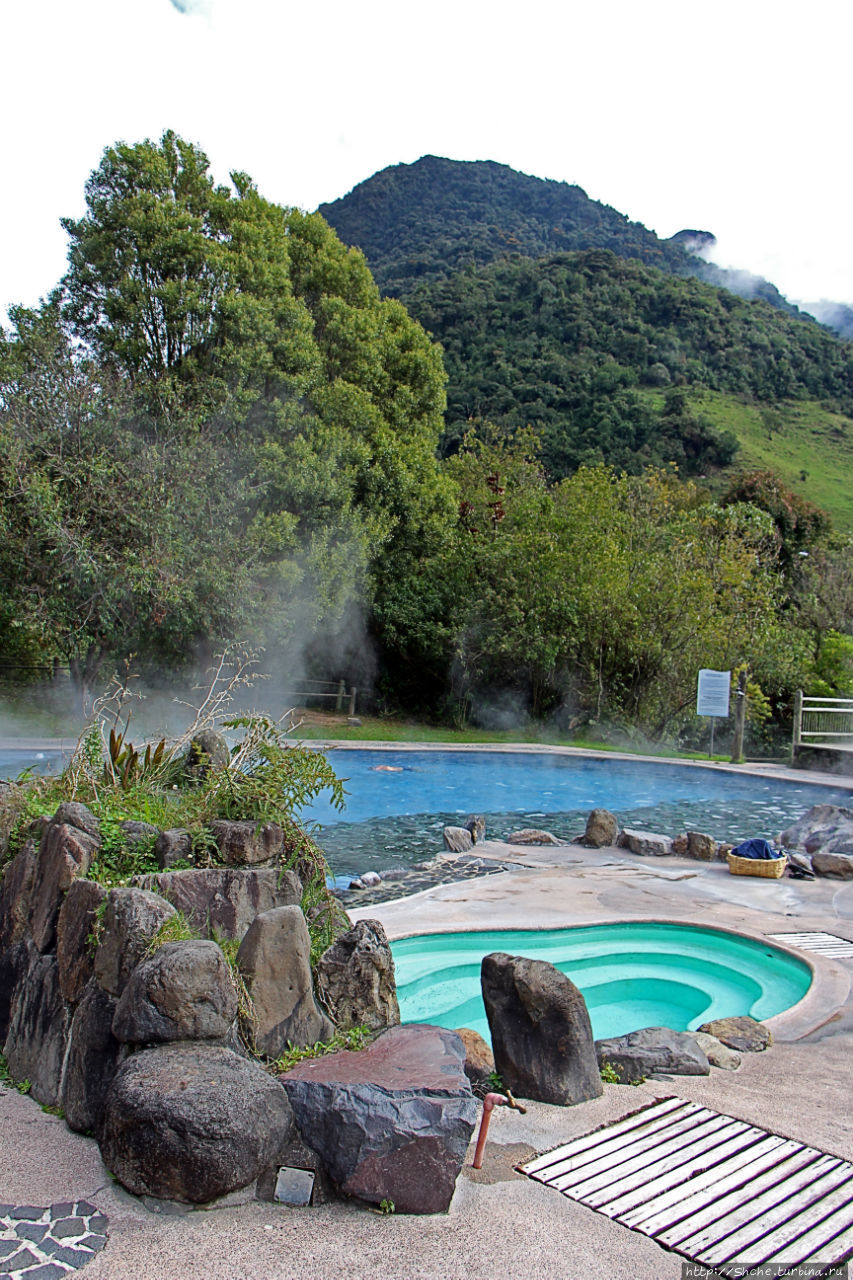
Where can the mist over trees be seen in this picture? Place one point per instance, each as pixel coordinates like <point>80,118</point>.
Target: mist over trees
<point>216,429</point>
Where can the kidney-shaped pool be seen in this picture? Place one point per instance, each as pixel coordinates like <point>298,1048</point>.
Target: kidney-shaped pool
<point>632,975</point>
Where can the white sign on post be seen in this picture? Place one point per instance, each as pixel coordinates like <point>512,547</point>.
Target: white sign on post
<point>712,694</point>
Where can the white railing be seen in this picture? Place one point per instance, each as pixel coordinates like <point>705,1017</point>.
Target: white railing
<point>823,722</point>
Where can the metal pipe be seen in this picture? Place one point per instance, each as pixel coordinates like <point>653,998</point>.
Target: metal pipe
<point>491,1101</point>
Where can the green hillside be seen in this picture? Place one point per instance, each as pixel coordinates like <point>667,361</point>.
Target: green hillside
<point>809,446</point>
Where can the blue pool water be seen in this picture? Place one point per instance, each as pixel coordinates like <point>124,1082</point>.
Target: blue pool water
<point>632,975</point>
<point>396,818</point>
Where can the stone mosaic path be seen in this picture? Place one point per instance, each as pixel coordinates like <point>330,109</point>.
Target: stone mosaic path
<point>47,1243</point>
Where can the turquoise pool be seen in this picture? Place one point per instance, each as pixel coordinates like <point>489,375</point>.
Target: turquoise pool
<point>632,975</point>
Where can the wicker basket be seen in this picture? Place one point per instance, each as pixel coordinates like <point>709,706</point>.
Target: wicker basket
<point>768,868</point>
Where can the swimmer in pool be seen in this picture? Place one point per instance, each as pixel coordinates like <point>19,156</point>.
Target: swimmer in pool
<point>386,768</point>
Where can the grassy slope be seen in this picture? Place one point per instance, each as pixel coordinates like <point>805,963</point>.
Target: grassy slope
<point>796,439</point>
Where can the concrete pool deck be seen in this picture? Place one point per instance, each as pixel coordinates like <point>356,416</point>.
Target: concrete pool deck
<point>500,1225</point>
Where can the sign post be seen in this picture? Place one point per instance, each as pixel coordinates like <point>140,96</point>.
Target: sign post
<point>712,697</point>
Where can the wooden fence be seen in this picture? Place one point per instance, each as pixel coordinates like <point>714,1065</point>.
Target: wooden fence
<point>823,722</point>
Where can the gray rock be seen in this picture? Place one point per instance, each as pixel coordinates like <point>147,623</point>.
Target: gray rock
<point>74,814</point>
<point>138,833</point>
<point>16,890</point>
<point>14,963</point>
<point>369,879</point>
<point>93,1058</point>
<point>645,843</point>
<point>837,866</point>
<point>601,829</point>
<point>75,951</point>
<point>182,992</point>
<point>130,921</point>
<point>741,1033</point>
<point>718,1054</point>
<point>247,844</point>
<point>192,1122</point>
<point>355,979</point>
<point>653,1049</point>
<point>173,846</point>
<point>817,827</point>
<point>701,847</point>
<point>64,853</point>
<point>38,1028</point>
<point>476,824</point>
<point>296,1154</point>
<point>457,839</point>
<point>541,1033</point>
<point>391,1122</point>
<point>275,960</point>
<point>207,751</point>
<point>223,901</point>
<point>532,835</point>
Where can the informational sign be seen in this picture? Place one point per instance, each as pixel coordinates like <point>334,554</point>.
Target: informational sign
<point>712,694</point>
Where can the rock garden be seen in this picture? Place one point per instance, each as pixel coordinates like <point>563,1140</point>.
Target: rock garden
<point>173,991</point>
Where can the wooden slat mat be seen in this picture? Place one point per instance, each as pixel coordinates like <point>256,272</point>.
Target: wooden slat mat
<point>825,944</point>
<point>717,1190</point>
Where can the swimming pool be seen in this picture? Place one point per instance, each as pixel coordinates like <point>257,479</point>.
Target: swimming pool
<point>632,975</point>
<point>399,800</point>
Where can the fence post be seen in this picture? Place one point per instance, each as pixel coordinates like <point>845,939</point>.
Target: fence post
<point>740,717</point>
<point>339,705</point>
<point>352,694</point>
<point>798,725</point>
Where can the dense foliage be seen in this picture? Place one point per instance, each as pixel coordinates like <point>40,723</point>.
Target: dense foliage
<point>567,344</point>
<point>217,429</point>
<point>427,220</point>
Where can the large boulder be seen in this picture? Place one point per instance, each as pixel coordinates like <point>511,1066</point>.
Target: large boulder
<point>93,1059</point>
<point>171,846</point>
<point>458,839</point>
<point>75,927</point>
<point>16,888</point>
<point>64,853</point>
<point>247,844</point>
<point>836,866</point>
<point>648,844</point>
<point>192,1122</point>
<point>741,1033</point>
<point>653,1049</point>
<point>391,1122</point>
<point>823,827</point>
<point>355,979</point>
<point>275,961</point>
<point>183,992</point>
<point>541,1033</point>
<point>602,829</point>
<point>131,919</point>
<point>221,902</point>
<point>38,1028</point>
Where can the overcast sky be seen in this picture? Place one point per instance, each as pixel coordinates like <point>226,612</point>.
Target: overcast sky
<point>732,117</point>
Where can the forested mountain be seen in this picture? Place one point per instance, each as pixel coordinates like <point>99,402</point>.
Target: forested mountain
<point>556,311</point>
<point>437,216</point>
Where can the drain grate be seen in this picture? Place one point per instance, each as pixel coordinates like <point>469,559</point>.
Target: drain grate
<point>827,944</point>
<point>717,1190</point>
